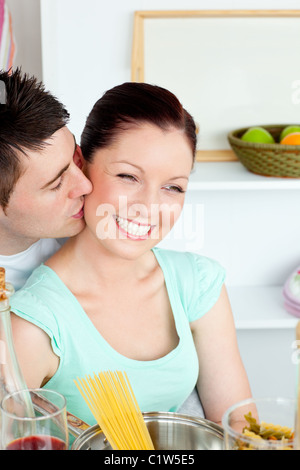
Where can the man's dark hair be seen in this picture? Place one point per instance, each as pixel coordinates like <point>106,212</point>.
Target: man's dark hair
<point>29,115</point>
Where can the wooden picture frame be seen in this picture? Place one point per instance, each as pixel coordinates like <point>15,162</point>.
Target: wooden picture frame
<point>252,90</point>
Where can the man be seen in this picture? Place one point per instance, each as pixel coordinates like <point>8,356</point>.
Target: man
<point>42,187</point>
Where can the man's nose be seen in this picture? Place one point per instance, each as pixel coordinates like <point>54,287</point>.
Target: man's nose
<point>81,185</point>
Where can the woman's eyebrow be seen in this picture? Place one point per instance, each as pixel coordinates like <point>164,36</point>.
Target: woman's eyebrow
<point>141,169</point>
<point>128,163</point>
<point>179,177</point>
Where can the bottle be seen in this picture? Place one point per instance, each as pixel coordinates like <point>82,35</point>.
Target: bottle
<point>11,378</point>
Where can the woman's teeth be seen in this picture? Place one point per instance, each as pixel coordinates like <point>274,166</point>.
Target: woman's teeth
<point>132,228</point>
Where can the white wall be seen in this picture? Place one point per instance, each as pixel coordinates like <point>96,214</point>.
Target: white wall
<point>253,234</point>
<point>87,45</point>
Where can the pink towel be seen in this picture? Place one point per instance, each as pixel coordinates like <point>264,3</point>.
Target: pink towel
<point>1,17</point>
<point>7,43</point>
<point>291,293</point>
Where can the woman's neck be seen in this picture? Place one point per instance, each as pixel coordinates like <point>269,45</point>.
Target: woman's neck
<point>85,254</point>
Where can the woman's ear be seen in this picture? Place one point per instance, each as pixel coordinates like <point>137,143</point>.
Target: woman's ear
<point>78,157</point>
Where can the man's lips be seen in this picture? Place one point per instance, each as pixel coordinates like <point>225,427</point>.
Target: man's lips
<point>79,214</point>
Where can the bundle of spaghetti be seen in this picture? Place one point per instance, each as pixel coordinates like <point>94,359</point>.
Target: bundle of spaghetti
<point>3,295</point>
<point>111,400</point>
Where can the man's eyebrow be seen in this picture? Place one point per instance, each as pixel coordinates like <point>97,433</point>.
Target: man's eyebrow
<point>61,171</point>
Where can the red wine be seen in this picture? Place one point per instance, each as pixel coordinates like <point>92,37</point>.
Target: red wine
<point>37,443</point>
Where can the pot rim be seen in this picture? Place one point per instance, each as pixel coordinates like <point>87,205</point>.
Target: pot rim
<point>154,416</point>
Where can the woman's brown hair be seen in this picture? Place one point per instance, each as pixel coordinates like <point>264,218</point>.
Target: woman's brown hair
<point>132,104</point>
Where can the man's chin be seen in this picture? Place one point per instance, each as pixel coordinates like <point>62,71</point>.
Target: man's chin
<point>74,230</point>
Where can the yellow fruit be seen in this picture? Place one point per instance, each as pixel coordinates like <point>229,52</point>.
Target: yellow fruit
<point>288,130</point>
<point>291,139</point>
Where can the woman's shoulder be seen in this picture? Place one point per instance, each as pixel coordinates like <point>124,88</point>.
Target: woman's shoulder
<point>41,287</point>
<point>198,279</point>
<point>37,303</point>
<point>189,263</point>
<point>39,276</point>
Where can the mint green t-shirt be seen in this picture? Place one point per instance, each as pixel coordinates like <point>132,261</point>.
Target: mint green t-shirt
<point>193,284</point>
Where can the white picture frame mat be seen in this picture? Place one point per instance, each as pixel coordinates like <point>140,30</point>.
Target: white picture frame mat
<point>229,72</point>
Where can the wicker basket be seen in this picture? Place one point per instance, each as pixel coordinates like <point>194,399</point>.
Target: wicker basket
<point>267,159</point>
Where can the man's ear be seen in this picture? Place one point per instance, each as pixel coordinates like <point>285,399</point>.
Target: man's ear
<point>78,157</point>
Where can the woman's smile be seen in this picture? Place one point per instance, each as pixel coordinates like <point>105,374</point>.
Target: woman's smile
<point>132,229</point>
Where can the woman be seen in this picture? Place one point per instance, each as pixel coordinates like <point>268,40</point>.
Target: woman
<point>110,299</point>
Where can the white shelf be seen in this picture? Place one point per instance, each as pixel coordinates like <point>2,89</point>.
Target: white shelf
<point>234,176</point>
<point>260,308</point>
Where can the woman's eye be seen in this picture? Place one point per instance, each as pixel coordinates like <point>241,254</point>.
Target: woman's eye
<point>126,176</point>
<point>176,189</point>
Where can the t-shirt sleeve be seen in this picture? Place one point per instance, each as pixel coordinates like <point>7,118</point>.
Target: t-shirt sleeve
<point>205,288</point>
<point>31,308</point>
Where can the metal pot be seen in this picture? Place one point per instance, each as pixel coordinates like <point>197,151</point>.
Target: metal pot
<point>169,431</point>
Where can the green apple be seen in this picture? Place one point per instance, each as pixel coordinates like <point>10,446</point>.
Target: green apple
<point>288,130</point>
<point>259,135</point>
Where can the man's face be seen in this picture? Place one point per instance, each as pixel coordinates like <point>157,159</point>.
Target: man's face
<point>47,201</point>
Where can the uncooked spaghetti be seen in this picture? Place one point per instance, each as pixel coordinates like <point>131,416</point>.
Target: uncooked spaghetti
<point>111,400</point>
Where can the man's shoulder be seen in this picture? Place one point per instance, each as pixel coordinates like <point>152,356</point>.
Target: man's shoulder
<point>19,266</point>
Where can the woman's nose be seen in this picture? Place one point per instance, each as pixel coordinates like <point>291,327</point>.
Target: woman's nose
<point>145,205</point>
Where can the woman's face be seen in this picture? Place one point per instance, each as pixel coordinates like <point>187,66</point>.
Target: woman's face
<point>139,185</point>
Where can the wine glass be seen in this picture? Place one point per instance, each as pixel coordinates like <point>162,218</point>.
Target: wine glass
<point>272,418</point>
<point>47,430</point>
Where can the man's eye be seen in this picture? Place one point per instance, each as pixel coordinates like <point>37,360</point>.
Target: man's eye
<point>58,186</point>
<point>126,176</point>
